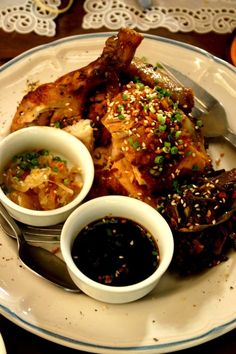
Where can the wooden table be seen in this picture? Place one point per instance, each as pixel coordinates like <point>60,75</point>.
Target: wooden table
<point>17,340</point>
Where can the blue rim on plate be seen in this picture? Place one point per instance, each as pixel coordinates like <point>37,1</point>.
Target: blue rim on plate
<point>213,331</point>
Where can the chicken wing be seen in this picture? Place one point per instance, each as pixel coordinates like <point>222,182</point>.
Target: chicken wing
<point>152,76</point>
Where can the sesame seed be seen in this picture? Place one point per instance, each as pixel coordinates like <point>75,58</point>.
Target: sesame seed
<point>177,171</point>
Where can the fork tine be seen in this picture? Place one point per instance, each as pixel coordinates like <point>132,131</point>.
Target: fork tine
<point>207,108</point>
<point>41,231</point>
<point>35,238</point>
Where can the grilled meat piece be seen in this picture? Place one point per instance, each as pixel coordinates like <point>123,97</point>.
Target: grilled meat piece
<point>152,77</point>
<point>202,217</point>
<point>62,102</point>
<point>144,144</point>
<point>158,142</point>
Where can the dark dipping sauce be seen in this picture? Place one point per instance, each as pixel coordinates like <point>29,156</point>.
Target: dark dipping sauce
<point>115,251</point>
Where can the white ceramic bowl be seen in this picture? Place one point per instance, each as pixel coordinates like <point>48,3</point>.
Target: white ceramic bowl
<point>117,206</point>
<point>58,142</point>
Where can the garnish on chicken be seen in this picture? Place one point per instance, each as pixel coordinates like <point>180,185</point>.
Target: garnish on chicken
<point>136,122</point>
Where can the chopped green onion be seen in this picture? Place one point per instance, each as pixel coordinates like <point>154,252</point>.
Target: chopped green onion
<point>57,125</point>
<point>125,96</point>
<point>199,123</point>
<point>176,186</point>
<point>177,134</point>
<point>162,91</point>
<point>66,181</point>
<point>162,127</point>
<point>44,152</point>
<point>135,144</point>
<point>139,85</point>
<point>175,105</point>
<point>136,79</point>
<point>161,118</point>
<point>56,158</point>
<point>174,150</point>
<point>159,159</point>
<point>177,116</point>
<point>120,108</point>
<point>152,108</point>
<point>195,168</point>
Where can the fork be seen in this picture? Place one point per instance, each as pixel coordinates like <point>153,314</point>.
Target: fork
<point>207,107</point>
<point>35,234</point>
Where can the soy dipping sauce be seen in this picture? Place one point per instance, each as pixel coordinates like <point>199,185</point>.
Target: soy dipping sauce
<point>115,251</point>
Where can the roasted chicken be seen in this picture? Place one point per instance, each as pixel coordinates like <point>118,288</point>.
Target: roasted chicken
<point>137,123</point>
<point>61,103</point>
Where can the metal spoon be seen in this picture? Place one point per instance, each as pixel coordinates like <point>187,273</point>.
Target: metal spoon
<point>37,259</point>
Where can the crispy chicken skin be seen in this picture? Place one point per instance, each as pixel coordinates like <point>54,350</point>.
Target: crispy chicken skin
<point>62,102</point>
<point>153,142</point>
<point>136,122</point>
<point>152,76</point>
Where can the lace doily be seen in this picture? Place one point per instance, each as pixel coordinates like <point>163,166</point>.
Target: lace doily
<point>184,15</point>
<point>26,16</point>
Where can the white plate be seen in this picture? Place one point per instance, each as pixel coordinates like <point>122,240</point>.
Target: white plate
<point>2,346</point>
<point>180,313</point>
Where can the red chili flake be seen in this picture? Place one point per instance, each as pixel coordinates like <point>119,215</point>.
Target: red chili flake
<point>222,195</point>
<point>108,279</point>
<point>198,247</point>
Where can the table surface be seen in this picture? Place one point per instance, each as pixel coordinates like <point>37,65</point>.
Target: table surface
<point>17,340</point>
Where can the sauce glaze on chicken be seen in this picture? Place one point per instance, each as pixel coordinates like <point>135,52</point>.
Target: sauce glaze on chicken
<point>137,123</point>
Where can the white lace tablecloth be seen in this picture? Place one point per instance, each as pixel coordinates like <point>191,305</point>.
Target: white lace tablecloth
<point>176,15</point>
<point>26,16</point>
<point>202,16</point>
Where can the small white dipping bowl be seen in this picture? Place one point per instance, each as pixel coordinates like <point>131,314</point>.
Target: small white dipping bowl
<point>124,207</point>
<point>60,143</point>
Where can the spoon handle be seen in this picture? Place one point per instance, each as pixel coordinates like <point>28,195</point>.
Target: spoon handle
<point>37,259</point>
<point>10,223</point>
